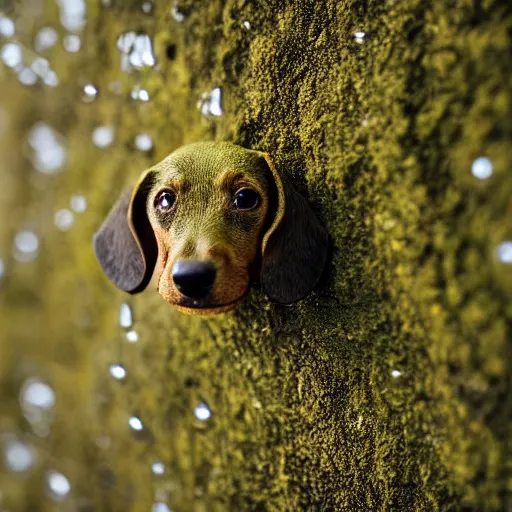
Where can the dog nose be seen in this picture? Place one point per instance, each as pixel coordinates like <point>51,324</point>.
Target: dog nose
<point>194,279</point>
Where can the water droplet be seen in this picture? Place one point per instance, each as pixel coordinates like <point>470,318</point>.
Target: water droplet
<point>27,77</point>
<point>504,252</point>
<point>46,38</point>
<point>117,371</point>
<point>37,400</point>
<point>18,456</point>
<point>12,55</point>
<point>72,14</point>
<point>132,336</point>
<point>143,142</point>
<point>360,37</point>
<point>210,103</point>
<point>40,66</point>
<point>78,203</point>
<point>58,484</point>
<point>158,468</point>
<point>135,423</point>
<point>247,25</point>
<point>147,7</point>
<point>103,136</point>
<point>2,268</point>
<point>64,219</point>
<point>49,151</point>
<point>6,27</point>
<point>136,50</point>
<point>125,316</point>
<point>125,42</point>
<point>160,506</point>
<point>177,14</point>
<point>26,246</point>
<point>202,412</point>
<point>482,168</point>
<point>51,79</point>
<point>139,94</point>
<point>37,393</point>
<point>90,93</point>
<point>72,43</point>
<point>396,373</point>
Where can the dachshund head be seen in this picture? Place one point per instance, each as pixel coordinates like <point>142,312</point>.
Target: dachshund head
<point>208,221</point>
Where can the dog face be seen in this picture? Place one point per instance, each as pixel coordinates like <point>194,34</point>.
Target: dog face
<point>209,220</point>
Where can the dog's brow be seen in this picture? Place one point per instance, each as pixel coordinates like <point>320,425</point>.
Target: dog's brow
<point>226,177</point>
<point>176,183</point>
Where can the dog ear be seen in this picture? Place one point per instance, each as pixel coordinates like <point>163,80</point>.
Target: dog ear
<point>294,248</point>
<point>125,245</point>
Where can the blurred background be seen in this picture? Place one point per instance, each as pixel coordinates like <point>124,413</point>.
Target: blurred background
<point>389,388</point>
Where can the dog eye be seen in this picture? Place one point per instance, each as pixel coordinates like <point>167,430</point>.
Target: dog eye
<point>165,200</point>
<point>246,199</point>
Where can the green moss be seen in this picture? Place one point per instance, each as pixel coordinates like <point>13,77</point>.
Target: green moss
<point>306,413</point>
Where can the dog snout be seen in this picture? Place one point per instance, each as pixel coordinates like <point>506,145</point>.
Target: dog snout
<point>193,279</point>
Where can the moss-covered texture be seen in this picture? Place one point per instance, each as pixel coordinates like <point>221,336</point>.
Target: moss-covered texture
<point>388,388</point>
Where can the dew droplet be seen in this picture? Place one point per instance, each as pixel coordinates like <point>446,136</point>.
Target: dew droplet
<point>49,151</point>
<point>45,38</point>
<point>37,401</point>
<point>482,168</point>
<point>396,373</point>
<point>504,252</point>
<point>78,203</point>
<point>360,35</point>
<point>210,103</point>
<point>247,25</point>
<point>158,468</point>
<point>177,14</point>
<point>136,50</point>
<point>58,484</point>
<point>147,7</point>
<point>51,79</point>
<point>143,142</point>
<point>27,77</point>
<point>103,136</point>
<point>72,43</point>
<point>135,423</point>
<point>125,42</point>
<point>64,219</point>
<point>132,336</point>
<point>117,371</point>
<point>160,506</point>
<point>26,246</point>
<point>125,316</point>
<point>18,456</point>
<point>7,28</point>
<point>139,94</point>
<point>40,66</point>
<point>202,412</point>
<point>90,93</point>
<point>72,14</point>
<point>12,55</point>
<point>37,393</point>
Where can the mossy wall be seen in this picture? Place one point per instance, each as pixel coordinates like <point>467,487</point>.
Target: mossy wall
<point>388,388</point>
